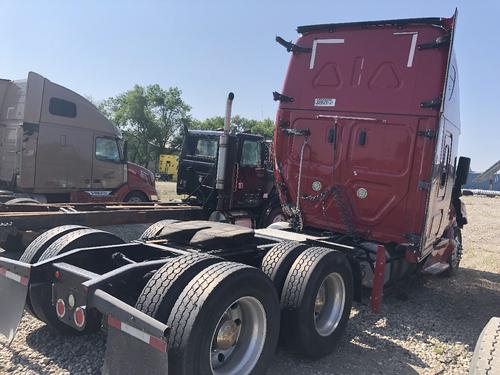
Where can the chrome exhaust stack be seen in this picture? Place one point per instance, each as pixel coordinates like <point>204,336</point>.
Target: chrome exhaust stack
<point>222,157</point>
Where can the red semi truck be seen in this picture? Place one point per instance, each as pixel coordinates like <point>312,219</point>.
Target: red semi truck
<point>56,146</point>
<point>367,171</point>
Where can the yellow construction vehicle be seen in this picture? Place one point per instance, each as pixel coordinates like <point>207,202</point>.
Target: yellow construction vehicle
<point>167,168</point>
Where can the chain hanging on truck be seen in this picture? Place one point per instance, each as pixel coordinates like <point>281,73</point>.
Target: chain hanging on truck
<point>342,204</point>
<point>321,197</point>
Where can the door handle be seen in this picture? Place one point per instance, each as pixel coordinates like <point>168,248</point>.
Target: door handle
<point>332,136</point>
<point>362,138</point>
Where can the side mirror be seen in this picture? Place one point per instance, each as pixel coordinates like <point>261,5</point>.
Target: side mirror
<point>462,171</point>
<point>125,151</point>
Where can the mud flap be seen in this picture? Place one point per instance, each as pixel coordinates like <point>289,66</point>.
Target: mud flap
<point>136,343</point>
<point>13,292</point>
<point>130,352</point>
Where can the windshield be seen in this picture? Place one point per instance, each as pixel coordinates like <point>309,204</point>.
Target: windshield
<point>206,148</point>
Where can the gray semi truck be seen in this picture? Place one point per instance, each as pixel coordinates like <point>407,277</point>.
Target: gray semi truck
<point>56,146</point>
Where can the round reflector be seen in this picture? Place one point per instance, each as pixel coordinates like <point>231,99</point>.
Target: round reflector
<point>79,317</point>
<point>60,308</point>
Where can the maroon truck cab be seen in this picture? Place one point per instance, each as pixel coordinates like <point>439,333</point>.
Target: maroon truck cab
<point>367,130</point>
<point>139,187</point>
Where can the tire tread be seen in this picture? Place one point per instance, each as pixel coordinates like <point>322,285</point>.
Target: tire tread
<point>159,285</point>
<point>486,358</point>
<point>46,238</point>
<point>296,279</point>
<point>152,231</point>
<point>189,303</point>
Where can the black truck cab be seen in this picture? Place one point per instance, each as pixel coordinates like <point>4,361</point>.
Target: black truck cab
<point>249,177</point>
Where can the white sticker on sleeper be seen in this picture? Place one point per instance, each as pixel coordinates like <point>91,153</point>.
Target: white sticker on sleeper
<point>324,102</point>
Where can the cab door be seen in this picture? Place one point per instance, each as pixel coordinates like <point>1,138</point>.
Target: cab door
<point>108,170</point>
<point>250,173</point>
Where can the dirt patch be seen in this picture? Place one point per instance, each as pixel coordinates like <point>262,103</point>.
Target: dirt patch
<point>167,191</point>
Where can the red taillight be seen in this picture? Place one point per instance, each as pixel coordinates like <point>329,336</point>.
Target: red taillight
<point>60,308</point>
<point>79,317</point>
<point>241,185</point>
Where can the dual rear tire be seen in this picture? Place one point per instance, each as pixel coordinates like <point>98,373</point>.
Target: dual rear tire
<point>227,315</point>
<point>224,314</point>
<point>315,285</point>
<point>50,244</point>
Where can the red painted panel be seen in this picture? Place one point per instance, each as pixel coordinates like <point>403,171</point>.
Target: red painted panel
<point>365,84</point>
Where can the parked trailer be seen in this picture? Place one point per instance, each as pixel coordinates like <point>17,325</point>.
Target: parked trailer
<point>18,221</point>
<point>199,297</point>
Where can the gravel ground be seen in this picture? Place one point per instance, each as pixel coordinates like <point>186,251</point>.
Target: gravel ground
<point>425,327</point>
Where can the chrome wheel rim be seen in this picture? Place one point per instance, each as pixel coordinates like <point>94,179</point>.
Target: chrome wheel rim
<point>278,218</point>
<point>239,337</point>
<point>329,304</point>
<point>135,200</point>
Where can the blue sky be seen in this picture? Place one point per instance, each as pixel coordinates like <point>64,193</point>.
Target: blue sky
<point>207,48</point>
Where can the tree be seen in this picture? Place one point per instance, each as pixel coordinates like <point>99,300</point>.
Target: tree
<point>151,119</point>
<point>238,124</point>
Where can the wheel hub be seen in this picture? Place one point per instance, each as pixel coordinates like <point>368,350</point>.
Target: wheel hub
<point>239,338</point>
<point>329,304</point>
<point>279,218</point>
<point>227,335</point>
<point>319,304</point>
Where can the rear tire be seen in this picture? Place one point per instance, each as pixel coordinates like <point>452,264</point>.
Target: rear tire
<point>486,357</point>
<point>226,320</point>
<point>154,229</point>
<point>22,201</point>
<point>316,301</point>
<point>42,302</point>
<point>136,197</point>
<point>163,289</point>
<point>275,215</point>
<point>279,259</point>
<point>36,248</point>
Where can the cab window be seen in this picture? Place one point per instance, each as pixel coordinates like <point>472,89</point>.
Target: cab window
<point>250,154</point>
<point>106,149</point>
<point>206,148</point>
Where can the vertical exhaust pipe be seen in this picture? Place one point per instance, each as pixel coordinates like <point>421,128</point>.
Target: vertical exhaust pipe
<point>222,157</point>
